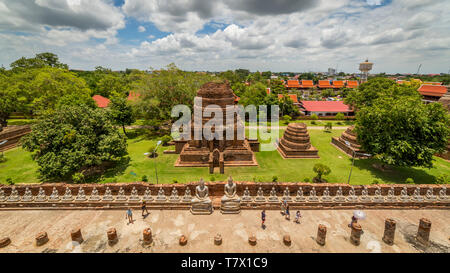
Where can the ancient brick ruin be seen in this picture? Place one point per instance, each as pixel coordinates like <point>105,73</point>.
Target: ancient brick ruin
<point>295,143</point>
<point>12,134</point>
<point>235,151</point>
<point>350,136</point>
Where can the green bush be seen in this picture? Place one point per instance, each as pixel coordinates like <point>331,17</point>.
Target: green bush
<point>144,178</point>
<point>78,177</point>
<point>287,118</point>
<point>328,126</point>
<point>175,181</point>
<point>314,117</point>
<point>274,178</point>
<point>166,139</point>
<point>9,181</point>
<point>321,170</point>
<point>375,182</point>
<point>409,180</point>
<point>306,179</point>
<point>212,178</point>
<point>2,158</point>
<point>442,179</point>
<point>339,116</point>
<point>313,122</point>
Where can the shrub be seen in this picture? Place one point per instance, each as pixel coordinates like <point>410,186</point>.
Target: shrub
<point>321,170</point>
<point>165,140</point>
<point>78,177</point>
<point>2,158</point>
<point>375,182</point>
<point>175,181</point>
<point>339,116</point>
<point>274,178</point>
<point>144,178</point>
<point>212,178</point>
<point>306,179</point>
<point>339,123</point>
<point>151,150</point>
<point>409,180</point>
<point>442,179</point>
<point>9,181</point>
<point>287,118</point>
<point>328,126</point>
<point>313,122</point>
<point>314,117</point>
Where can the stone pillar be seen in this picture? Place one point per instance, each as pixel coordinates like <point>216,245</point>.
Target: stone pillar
<point>389,231</point>
<point>218,239</point>
<point>321,235</point>
<point>4,242</point>
<point>287,240</point>
<point>147,235</point>
<point>183,240</point>
<point>423,233</point>
<point>222,167</point>
<point>41,238</point>
<point>356,234</point>
<point>252,240</point>
<point>76,236</point>
<point>112,236</point>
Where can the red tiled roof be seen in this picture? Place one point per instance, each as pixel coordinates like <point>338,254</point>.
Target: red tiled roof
<point>352,84</point>
<point>338,84</point>
<point>101,101</point>
<point>325,84</point>
<point>292,96</point>
<point>432,90</point>
<point>307,83</point>
<point>325,106</point>
<point>293,83</point>
<point>432,83</point>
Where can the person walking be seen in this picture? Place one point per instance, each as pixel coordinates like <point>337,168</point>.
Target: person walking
<point>354,220</point>
<point>129,216</point>
<point>283,207</point>
<point>144,208</point>
<point>297,217</point>
<point>263,218</point>
<point>288,215</point>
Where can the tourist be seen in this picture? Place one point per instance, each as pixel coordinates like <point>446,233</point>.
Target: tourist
<point>288,215</point>
<point>144,208</point>
<point>263,218</point>
<point>283,207</point>
<point>129,216</point>
<point>297,217</point>
<point>354,220</point>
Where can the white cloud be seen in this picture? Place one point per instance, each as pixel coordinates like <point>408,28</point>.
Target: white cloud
<point>141,29</point>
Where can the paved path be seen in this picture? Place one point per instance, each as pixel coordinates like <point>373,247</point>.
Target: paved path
<point>249,127</point>
<point>168,225</point>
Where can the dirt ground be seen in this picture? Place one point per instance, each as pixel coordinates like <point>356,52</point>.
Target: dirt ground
<point>168,225</point>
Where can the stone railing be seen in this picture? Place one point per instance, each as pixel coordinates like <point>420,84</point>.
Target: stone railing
<point>254,195</point>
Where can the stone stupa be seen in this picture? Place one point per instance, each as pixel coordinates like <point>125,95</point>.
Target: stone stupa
<point>350,136</point>
<point>213,153</point>
<point>295,143</point>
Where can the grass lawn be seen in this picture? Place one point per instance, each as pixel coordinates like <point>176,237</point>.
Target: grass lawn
<point>22,169</point>
<point>21,121</point>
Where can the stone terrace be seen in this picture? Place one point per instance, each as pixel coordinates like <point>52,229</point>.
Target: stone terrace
<point>167,226</point>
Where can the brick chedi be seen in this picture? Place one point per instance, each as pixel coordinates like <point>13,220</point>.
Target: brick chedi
<point>234,151</point>
<point>350,136</point>
<point>295,143</point>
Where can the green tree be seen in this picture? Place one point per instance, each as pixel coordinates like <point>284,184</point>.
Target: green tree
<point>277,86</point>
<point>339,116</point>
<point>403,131</point>
<point>75,139</point>
<point>120,111</point>
<point>320,170</point>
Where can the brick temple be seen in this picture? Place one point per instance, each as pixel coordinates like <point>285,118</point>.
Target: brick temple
<point>349,135</point>
<point>235,151</point>
<point>295,143</point>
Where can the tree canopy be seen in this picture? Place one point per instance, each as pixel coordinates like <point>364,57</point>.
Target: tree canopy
<point>74,139</point>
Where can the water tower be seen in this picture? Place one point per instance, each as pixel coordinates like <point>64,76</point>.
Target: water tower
<point>365,67</point>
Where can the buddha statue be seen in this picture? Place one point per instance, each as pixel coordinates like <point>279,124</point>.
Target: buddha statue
<point>273,196</point>
<point>108,195</point>
<point>404,195</point>
<point>81,196</point>
<point>161,197</point>
<point>416,196</point>
<point>94,195</point>
<point>378,197</point>
<point>391,195</point>
<point>134,195</point>
<point>201,203</point>
<point>365,195</point>
<point>352,195</point>
<point>260,195</point>
<point>187,198</point>
<point>2,195</point>
<point>287,195</point>
<point>68,195</point>
<point>339,196</point>
<point>27,196</point>
<point>147,195</point>
<point>430,196</point>
<point>312,195</point>
<point>326,195</point>
<point>54,196</point>
<point>300,197</point>
<point>246,196</point>
<point>41,197</point>
<point>230,202</point>
<point>174,196</point>
<point>121,196</point>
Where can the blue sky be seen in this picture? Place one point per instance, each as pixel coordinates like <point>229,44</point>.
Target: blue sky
<point>282,35</point>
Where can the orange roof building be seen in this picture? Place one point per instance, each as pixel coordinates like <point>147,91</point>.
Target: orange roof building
<point>338,84</point>
<point>101,101</point>
<point>132,96</point>
<point>432,92</point>
<point>325,84</point>
<point>293,84</point>
<point>307,84</point>
<point>432,83</point>
<point>292,96</point>
<point>352,84</point>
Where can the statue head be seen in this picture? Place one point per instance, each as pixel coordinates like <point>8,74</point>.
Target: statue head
<point>201,183</point>
<point>230,181</point>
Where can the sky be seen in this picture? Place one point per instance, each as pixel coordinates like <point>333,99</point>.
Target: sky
<point>217,35</point>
